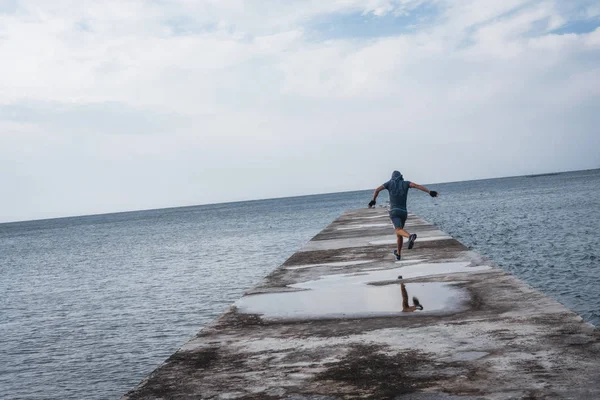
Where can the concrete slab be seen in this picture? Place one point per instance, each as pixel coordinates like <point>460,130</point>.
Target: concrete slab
<point>329,324</point>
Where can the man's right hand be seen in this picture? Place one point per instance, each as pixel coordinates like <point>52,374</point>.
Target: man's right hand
<point>372,203</point>
<point>433,193</point>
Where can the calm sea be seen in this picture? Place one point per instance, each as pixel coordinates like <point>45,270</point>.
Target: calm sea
<point>90,305</point>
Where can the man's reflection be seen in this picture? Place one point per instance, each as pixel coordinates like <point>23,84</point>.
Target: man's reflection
<point>405,306</point>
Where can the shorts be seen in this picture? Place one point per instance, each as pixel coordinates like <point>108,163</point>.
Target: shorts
<point>398,218</point>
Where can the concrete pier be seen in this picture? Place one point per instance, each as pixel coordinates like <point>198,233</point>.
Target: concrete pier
<point>329,324</point>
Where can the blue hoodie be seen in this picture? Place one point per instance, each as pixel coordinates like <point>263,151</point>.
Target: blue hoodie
<point>398,190</point>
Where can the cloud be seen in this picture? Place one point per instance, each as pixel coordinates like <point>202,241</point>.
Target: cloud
<point>127,105</point>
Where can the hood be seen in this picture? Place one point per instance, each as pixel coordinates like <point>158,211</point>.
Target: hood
<point>396,187</point>
<point>396,175</point>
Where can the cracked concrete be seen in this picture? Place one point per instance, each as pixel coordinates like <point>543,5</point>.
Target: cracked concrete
<point>328,324</point>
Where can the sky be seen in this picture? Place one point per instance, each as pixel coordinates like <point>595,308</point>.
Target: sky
<point>126,105</point>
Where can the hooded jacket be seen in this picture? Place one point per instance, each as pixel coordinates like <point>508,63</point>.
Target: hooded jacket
<point>398,191</point>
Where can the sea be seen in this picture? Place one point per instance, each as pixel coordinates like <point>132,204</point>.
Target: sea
<point>90,305</point>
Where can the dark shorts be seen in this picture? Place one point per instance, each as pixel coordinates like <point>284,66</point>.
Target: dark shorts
<point>398,218</point>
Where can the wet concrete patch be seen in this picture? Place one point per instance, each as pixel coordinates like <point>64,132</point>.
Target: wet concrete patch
<point>469,355</point>
<point>362,226</point>
<point>361,240</point>
<point>337,255</point>
<point>443,268</point>
<point>435,396</point>
<point>371,217</point>
<point>357,231</point>
<point>331,264</point>
<point>393,240</point>
<point>406,260</point>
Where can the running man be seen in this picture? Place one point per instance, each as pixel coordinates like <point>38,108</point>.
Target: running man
<point>398,190</point>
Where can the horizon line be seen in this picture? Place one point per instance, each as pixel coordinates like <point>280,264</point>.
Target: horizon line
<point>280,198</point>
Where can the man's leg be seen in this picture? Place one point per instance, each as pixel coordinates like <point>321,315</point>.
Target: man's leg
<point>399,219</point>
<point>400,234</point>
<point>404,233</point>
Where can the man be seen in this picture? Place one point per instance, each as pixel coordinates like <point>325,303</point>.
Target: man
<point>398,190</point>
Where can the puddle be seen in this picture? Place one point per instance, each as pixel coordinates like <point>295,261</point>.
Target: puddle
<point>333,264</point>
<point>351,296</point>
<point>352,301</point>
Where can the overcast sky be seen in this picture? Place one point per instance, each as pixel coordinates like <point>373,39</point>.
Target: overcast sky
<point>124,105</point>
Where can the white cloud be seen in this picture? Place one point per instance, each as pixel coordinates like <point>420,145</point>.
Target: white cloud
<point>125,105</point>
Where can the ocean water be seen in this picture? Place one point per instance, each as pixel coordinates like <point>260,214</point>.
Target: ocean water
<point>91,305</point>
<point>543,229</point>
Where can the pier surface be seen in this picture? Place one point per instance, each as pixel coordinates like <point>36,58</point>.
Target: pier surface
<point>329,324</point>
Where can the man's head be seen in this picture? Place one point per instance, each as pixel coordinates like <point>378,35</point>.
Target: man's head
<point>397,175</point>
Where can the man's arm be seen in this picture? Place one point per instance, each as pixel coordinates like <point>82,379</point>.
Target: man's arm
<point>375,194</point>
<point>432,193</point>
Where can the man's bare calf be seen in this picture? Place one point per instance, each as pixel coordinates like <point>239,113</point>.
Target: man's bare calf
<point>400,235</point>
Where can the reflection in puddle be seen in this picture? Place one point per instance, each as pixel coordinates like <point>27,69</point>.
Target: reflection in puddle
<point>351,296</point>
<point>406,307</point>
